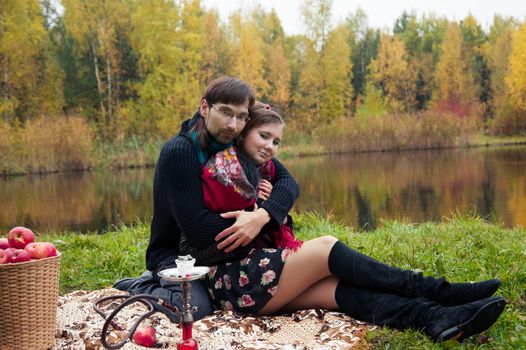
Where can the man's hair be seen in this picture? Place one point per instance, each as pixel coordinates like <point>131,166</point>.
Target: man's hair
<point>261,114</point>
<point>227,90</point>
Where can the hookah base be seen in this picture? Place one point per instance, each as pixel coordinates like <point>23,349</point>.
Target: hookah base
<point>188,344</point>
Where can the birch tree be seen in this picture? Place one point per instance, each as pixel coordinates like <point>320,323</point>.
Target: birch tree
<point>96,26</point>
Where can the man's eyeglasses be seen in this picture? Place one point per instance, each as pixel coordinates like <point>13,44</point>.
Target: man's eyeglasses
<point>227,113</point>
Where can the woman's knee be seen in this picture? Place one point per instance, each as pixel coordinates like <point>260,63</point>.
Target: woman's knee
<point>317,248</point>
<point>327,241</point>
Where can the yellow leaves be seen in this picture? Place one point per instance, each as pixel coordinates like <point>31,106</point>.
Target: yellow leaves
<point>23,33</point>
<point>249,63</point>
<point>310,83</point>
<point>453,80</point>
<point>23,43</point>
<point>337,72</point>
<point>325,84</point>
<point>258,56</point>
<point>216,53</point>
<point>278,75</point>
<point>516,77</point>
<point>171,40</point>
<point>145,63</point>
<point>95,22</point>
<point>8,106</point>
<point>391,71</point>
<point>497,51</point>
<point>153,35</point>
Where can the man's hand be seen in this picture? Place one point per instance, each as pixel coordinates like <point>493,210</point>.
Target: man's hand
<point>264,189</point>
<point>247,226</point>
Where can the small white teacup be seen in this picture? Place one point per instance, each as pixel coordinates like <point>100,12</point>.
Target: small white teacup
<point>185,264</point>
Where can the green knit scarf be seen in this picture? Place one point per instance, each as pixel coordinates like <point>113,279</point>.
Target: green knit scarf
<point>213,148</point>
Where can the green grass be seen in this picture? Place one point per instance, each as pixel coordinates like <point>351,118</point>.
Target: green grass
<point>93,261</point>
<point>131,153</point>
<point>460,248</point>
<point>486,140</point>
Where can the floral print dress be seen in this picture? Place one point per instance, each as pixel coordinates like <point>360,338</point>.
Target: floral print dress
<point>248,281</point>
<point>246,285</point>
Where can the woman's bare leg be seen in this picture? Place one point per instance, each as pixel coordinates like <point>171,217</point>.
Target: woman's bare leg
<point>302,269</point>
<point>319,295</point>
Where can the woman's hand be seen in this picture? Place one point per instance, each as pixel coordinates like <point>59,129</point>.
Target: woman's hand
<point>264,189</point>
<point>247,226</point>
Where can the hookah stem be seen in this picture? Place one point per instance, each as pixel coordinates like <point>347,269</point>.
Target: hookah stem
<point>187,343</point>
<point>187,330</point>
<point>187,319</point>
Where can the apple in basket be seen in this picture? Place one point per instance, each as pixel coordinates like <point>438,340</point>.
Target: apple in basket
<point>40,250</point>
<point>4,243</point>
<point>19,255</point>
<point>51,250</point>
<point>5,256</point>
<point>10,251</point>
<point>20,236</point>
<point>145,335</point>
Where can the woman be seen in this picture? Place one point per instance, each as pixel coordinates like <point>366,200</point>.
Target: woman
<point>325,273</point>
<point>227,187</point>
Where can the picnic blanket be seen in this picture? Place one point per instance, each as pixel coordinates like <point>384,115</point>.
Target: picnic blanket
<point>79,327</point>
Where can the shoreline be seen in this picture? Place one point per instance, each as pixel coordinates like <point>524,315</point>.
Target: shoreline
<point>481,141</point>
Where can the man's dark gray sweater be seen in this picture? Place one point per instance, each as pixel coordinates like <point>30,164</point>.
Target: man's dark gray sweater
<point>178,202</point>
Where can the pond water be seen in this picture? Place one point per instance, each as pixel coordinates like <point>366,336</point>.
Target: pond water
<point>359,190</point>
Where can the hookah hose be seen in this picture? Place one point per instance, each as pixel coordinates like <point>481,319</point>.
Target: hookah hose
<point>152,303</point>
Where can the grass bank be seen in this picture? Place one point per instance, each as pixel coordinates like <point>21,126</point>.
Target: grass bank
<point>46,144</point>
<point>461,249</point>
<point>426,130</point>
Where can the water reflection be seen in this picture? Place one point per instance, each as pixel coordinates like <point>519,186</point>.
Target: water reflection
<point>80,201</point>
<point>361,190</point>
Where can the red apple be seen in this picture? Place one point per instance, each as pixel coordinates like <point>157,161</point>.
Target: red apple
<point>11,250</point>
<point>37,250</point>
<point>20,255</point>
<point>51,250</point>
<point>40,250</point>
<point>145,336</point>
<point>4,244</point>
<point>5,257</point>
<point>20,236</point>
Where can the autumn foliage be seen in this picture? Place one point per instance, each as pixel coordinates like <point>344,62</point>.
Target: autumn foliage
<point>133,70</point>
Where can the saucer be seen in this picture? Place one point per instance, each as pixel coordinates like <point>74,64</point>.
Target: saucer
<point>174,275</point>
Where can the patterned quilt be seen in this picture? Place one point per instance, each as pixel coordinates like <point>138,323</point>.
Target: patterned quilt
<point>79,327</point>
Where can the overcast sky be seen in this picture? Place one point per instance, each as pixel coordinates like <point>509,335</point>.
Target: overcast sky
<point>381,13</point>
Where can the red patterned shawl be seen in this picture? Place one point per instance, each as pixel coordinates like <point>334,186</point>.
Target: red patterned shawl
<point>226,188</point>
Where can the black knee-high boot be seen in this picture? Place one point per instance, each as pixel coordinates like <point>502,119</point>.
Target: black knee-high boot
<point>357,269</point>
<point>439,322</point>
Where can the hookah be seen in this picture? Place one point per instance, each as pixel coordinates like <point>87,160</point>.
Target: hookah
<point>184,273</point>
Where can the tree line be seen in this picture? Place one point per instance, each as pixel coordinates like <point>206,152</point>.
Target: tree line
<point>137,68</point>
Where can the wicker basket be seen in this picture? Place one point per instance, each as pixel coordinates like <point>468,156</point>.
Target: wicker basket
<point>28,295</point>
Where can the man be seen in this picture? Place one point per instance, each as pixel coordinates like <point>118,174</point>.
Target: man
<point>178,197</point>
